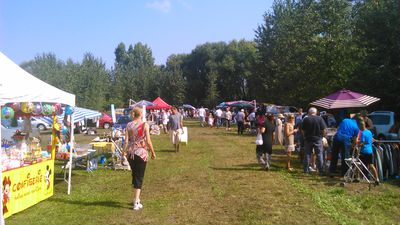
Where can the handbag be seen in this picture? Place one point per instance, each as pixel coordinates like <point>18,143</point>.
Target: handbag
<point>259,139</point>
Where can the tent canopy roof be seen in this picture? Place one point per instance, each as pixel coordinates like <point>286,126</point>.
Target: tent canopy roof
<point>17,85</point>
<point>160,104</point>
<point>141,103</point>
<point>81,114</point>
<point>345,99</point>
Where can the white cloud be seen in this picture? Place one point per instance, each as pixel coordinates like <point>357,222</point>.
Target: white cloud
<point>163,6</point>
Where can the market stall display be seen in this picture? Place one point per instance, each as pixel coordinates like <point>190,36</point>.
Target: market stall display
<point>27,170</point>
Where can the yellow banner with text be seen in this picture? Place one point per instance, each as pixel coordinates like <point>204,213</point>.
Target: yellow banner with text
<point>26,186</point>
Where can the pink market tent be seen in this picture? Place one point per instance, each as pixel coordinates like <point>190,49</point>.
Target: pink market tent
<point>159,104</point>
<point>345,99</point>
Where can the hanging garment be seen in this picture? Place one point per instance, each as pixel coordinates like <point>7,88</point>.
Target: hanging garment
<point>378,162</point>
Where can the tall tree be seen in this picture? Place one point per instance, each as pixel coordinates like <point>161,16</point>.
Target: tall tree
<point>135,74</point>
<point>174,86</point>
<point>377,29</point>
<point>47,68</point>
<point>302,46</point>
<point>93,83</point>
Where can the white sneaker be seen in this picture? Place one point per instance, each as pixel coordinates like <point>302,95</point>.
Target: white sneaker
<point>311,169</point>
<point>137,206</point>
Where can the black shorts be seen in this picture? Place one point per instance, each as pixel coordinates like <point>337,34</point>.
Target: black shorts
<point>366,159</point>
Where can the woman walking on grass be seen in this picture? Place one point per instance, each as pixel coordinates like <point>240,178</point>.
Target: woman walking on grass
<point>138,141</point>
<point>289,132</point>
<point>268,131</point>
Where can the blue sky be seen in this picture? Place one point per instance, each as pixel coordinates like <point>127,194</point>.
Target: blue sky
<point>71,28</point>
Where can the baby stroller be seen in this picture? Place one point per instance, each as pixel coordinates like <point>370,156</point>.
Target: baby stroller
<point>356,167</point>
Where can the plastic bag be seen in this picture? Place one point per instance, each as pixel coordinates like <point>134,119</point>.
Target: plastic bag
<point>259,139</point>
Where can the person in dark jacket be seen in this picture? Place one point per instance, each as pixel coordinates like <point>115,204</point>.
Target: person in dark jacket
<point>313,128</point>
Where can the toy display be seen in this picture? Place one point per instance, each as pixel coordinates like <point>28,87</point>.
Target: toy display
<point>7,113</point>
<point>24,149</point>
<point>69,110</point>
<point>37,109</point>
<point>47,109</point>
<point>22,153</point>
<point>27,107</point>
<point>16,106</point>
<point>57,109</point>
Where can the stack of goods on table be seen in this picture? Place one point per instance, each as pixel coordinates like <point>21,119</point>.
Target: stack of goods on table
<point>22,152</point>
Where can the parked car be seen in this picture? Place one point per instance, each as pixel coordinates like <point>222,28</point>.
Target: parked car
<point>36,122</point>
<point>122,121</point>
<point>105,121</point>
<point>385,123</point>
<point>40,124</point>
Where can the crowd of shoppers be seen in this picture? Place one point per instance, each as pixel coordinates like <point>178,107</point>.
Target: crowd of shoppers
<point>304,133</point>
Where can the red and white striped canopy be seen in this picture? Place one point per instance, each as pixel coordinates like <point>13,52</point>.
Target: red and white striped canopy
<point>345,99</point>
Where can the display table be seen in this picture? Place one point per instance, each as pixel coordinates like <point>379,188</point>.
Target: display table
<point>103,146</point>
<point>79,155</point>
<point>26,186</point>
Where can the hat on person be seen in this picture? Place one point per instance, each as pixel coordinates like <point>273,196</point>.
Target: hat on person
<point>280,116</point>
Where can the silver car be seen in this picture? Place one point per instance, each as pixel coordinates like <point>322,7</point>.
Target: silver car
<point>37,122</point>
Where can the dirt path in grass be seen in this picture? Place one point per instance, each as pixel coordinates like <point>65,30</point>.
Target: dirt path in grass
<point>215,180</point>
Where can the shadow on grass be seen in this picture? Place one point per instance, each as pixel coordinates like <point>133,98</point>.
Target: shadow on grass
<point>228,133</point>
<point>166,150</point>
<point>111,204</point>
<point>240,167</point>
<point>249,167</point>
<point>394,182</point>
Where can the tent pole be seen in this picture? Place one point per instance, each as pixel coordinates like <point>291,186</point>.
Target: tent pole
<point>1,181</point>
<point>144,113</point>
<point>72,140</point>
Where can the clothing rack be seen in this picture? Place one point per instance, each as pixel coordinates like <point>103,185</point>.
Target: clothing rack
<point>387,158</point>
<point>388,141</point>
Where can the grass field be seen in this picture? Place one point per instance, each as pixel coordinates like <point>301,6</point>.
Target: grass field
<point>214,180</point>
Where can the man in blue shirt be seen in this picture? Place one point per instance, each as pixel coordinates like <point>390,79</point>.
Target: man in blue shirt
<point>365,143</point>
<point>343,141</point>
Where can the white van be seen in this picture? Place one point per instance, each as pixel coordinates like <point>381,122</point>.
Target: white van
<point>383,122</point>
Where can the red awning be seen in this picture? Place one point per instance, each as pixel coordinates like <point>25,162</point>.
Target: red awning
<point>159,104</point>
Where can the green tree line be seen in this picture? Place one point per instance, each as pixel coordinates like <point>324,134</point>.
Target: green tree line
<point>302,50</point>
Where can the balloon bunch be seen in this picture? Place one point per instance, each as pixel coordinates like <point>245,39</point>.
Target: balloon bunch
<point>46,109</point>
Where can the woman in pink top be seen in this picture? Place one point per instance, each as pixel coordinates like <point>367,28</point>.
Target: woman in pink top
<point>137,142</point>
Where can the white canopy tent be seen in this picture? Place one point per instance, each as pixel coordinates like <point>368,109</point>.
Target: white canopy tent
<point>17,85</point>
